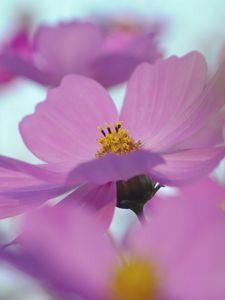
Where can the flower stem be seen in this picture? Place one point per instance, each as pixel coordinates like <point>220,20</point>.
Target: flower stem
<point>139,211</point>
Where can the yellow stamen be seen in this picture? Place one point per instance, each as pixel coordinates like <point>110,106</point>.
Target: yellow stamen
<point>135,279</point>
<point>116,140</point>
<point>100,128</point>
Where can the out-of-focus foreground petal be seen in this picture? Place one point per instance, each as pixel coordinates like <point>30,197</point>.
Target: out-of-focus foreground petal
<point>182,247</point>
<point>184,237</point>
<point>68,248</point>
<point>205,198</point>
<point>103,200</point>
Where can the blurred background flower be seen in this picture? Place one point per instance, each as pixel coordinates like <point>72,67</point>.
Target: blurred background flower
<point>107,54</point>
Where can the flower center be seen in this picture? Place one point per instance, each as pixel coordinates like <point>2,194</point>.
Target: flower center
<point>116,140</point>
<point>135,279</point>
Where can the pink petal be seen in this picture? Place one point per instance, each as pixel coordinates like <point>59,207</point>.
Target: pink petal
<point>185,240</point>
<point>48,172</point>
<point>17,201</point>
<point>79,48</point>
<point>20,192</point>
<point>204,197</point>
<point>111,69</point>
<point>166,235</point>
<point>74,248</point>
<point>18,44</point>
<point>185,166</point>
<point>144,48</point>
<point>116,66</point>
<point>204,265</point>
<point>24,186</point>
<point>113,167</point>
<point>20,66</point>
<point>159,99</point>
<point>5,74</point>
<point>212,98</point>
<point>67,48</point>
<point>64,127</point>
<point>210,134</point>
<point>101,199</point>
<point>208,119</point>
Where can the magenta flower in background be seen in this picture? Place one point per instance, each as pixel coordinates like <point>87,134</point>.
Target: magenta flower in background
<point>179,254</point>
<point>84,48</point>
<point>18,44</point>
<point>168,131</point>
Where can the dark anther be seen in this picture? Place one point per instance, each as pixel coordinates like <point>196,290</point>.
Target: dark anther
<point>103,132</point>
<point>109,129</point>
<point>117,127</point>
<point>135,192</point>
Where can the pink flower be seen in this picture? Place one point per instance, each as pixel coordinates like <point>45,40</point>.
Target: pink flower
<point>179,254</point>
<point>18,44</point>
<point>171,126</point>
<point>83,48</point>
<point>202,192</point>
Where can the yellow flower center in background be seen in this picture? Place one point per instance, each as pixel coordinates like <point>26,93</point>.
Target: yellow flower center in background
<point>116,140</point>
<point>135,279</point>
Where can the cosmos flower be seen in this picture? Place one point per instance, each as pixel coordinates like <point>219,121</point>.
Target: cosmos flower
<point>17,44</point>
<point>198,194</point>
<point>108,56</point>
<point>166,134</point>
<point>179,254</point>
